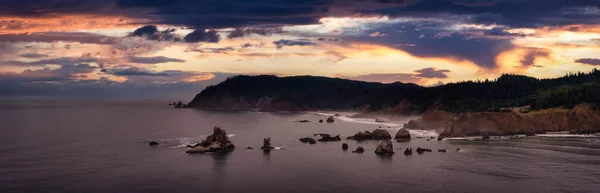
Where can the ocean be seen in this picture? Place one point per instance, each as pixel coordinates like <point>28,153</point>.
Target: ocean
<point>94,145</point>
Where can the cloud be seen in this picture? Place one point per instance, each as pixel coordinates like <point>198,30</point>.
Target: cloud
<point>153,60</point>
<point>432,73</point>
<point>201,35</point>
<point>81,37</point>
<point>532,54</point>
<point>55,61</point>
<point>134,71</point>
<point>386,78</point>
<point>210,50</point>
<point>297,42</point>
<point>501,32</point>
<point>33,55</point>
<point>151,32</point>
<point>242,32</point>
<point>339,56</point>
<point>590,61</point>
<point>65,73</point>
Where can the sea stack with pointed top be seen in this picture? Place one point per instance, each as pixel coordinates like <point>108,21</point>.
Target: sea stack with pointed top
<point>217,142</point>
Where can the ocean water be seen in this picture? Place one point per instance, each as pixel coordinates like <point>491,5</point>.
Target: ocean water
<point>84,145</point>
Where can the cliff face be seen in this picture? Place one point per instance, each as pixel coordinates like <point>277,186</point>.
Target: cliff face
<point>583,118</point>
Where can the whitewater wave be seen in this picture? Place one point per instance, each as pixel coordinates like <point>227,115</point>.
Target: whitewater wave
<point>566,135</point>
<point>345,116</point>
<point>423,133</point>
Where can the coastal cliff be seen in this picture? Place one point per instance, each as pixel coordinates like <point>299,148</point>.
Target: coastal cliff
<point>511,104</point>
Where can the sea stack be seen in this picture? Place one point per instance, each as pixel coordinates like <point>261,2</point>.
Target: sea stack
<point>385,148</point>
<point>330,119</point>
<point>403,135</point>
<point>267,145</point>
<point>377,134</point>
<point>345,146</point>
<point>217,142</point>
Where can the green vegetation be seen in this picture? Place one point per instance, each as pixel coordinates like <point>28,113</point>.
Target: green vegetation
<point>508,91</point>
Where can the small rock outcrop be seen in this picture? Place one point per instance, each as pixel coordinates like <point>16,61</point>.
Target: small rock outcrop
<point>321,121</point>
<point>267,145</point>
<point>377,134</point>
<point>359,150</point>
<point>402,134</point>
<point>442,150</point>
<point>327,137</point>
<point>308,140</point>
<point>457,149</point>
<point>249,148</point>
<point>422,150</point>
<point>217,142</point>
<point>408,151</point>
<point>302,121</point>
<point>153,143</point>
<point>345,146</point>
<point>385,148</point>
<point>486,137</point>
<point>330,119</point>
<point>179,105</point>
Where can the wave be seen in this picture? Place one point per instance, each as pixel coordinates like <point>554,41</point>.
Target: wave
<point>345,116</point>
<point>423,133</point>
<point>566,135</point>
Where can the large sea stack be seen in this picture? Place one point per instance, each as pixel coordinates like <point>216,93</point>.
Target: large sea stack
<point>217,142</point>
<point>377,134</point>
<point>402,134</point>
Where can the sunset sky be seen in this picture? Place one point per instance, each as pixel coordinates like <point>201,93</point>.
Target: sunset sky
<point>174,48</point>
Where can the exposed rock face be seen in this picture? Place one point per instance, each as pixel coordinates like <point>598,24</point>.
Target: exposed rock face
<point>153,143</point>
<point>267,145</point>
<point>359,150</point>
<point>408,151</point>
<point>403,134</point>
<point>217,142</point>
<point>422,150</point>
<point>377,134</point>
<point>583,118</point>
<point>330,119</point>
<point>385,148</point>
<point>345,146</point>
<point>308,140</point>
<point>327,137</point>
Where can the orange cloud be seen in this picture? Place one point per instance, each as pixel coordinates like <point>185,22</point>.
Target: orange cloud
<point>18,25</point>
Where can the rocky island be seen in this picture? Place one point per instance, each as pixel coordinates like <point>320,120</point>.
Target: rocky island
<point>509,105</point>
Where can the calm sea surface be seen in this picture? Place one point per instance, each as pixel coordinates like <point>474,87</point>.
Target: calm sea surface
<point>91,146</point>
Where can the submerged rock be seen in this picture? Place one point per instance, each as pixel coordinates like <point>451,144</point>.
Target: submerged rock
<point>422,150</point>
<point>377,134</point>
<point>217,142</point>
<point>359,150</point>
<point>302,121</point>
<point>403,134</point>
<point>308,140</point>
<point>442,150</point>
<point>249,148</point>
<point>327,137</point>
<point>486,137</point>
<point>345,146</point>
<point>330,119</point>
<point>153,143</point>
<point>267,145</point>
<point>408,151</point>
<point>321,121</point>
<point>385,148</point>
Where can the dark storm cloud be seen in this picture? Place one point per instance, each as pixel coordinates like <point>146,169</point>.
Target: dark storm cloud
<point>33,55</point>
<point>210,14</point>
<point>239,32</point>
<point>201,35</point>
<point>590,61</point>
<point>431,40</point>
<point>298,42</point>
<point>151,32</point>
<point>153,60</point>
<point>532,54</point>
<point>432,73</point>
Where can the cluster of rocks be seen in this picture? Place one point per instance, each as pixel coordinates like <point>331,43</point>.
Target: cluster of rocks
<point>178,105</point>
<point>308,140</point>
<point>377,134</point>
<point>217,142</point>
<point>327,137</point>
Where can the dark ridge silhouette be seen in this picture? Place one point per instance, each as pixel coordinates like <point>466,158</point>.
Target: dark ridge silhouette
<point>267,92</point>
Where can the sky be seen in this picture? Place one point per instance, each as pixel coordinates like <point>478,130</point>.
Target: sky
<point>175,48</point>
